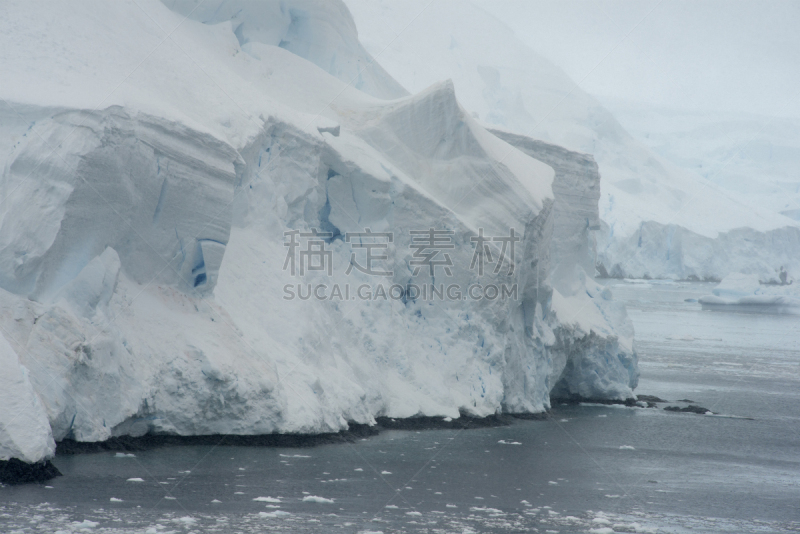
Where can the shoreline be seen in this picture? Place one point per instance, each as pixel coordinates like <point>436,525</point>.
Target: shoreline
<point>14,471</point>
<point>355,431</point>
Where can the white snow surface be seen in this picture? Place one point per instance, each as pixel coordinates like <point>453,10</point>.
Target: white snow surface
<point>502,82</point>
<point>151,165</point>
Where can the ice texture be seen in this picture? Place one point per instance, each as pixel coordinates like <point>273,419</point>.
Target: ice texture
<point>142,247</point>
<point>24,428</point>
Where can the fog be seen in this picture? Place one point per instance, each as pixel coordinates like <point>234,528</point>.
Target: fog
<point>720,55</point>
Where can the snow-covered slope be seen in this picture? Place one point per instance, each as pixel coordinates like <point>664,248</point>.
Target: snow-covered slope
<point>749,155</point>
<point>505,84</point>
<point>156,170</point>
<point>320,31</point>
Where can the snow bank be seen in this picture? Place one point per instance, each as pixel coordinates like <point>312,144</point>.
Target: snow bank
<point>144,240</point>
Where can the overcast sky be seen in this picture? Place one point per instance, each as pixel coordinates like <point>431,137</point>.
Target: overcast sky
<point>726,55</point>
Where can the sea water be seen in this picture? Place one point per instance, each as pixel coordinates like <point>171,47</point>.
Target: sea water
<point>586,468</point>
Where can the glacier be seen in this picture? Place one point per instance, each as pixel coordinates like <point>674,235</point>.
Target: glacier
<point>692,224</point>
<point>155,158</point>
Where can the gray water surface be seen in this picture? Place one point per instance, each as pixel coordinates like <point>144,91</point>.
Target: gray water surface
<point>587,468</point>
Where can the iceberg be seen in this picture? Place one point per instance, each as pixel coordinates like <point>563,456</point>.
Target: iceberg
<point>744,293</point>
<point>150,228</point>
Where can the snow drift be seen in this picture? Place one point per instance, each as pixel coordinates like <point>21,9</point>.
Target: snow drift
<point>144,240</point>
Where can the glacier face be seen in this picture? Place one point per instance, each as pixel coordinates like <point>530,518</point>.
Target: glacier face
<point>593,352</point>
<point>671,251</point>
<point>143,242</point>
<point>509,86</point>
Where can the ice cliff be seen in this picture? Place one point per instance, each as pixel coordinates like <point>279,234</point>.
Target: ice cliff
<point>158,164</point>
<point>691,225</point>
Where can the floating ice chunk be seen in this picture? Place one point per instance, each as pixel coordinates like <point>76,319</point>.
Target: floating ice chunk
<point>414,513</point>
<point>85,524</point>
<point>274,515</point>
<point>135,479</point>
<point>386,472</point>
<point>124,455</point>
<point>216,501</point>
<point>552,482</point>
<point>266,499</point>
<point>744,293</point>
<point>358,469</point>
<point>391,506</point>
<point>626,448</point>
<point>504,442</point>
<point>485,509</point>
<point>114,499</point>
<point>314,498</point>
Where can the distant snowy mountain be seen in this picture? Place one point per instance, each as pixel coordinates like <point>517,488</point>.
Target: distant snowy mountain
<point>184,192</point>
<point>752,156</point>
<point>504,83</point>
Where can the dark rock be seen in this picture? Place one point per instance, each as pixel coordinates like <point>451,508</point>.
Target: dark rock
<point>15,471</point>
<point>151,441</point>
<point>601,271</point>
<point>685,400</point>
<point>650,398</point>
<point>692,408</point>
<point>576,399</point>
<point>355,431</point>
<point>427,423</point>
